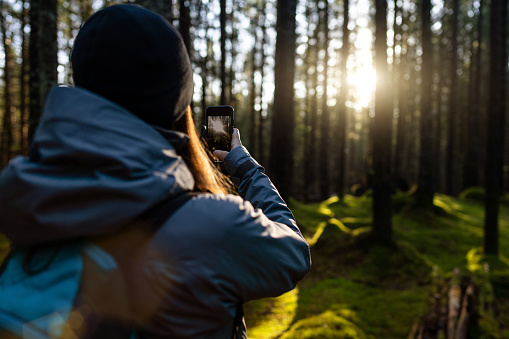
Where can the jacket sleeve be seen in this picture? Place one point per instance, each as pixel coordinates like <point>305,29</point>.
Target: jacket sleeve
<point>272,253</point>
<point>255,186</point>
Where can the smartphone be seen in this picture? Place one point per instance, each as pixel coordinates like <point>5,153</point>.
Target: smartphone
<point>219,122</point>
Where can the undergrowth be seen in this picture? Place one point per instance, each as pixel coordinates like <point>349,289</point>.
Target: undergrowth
<point>357,289</point>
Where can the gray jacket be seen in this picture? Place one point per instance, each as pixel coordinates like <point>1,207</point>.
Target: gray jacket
<point>94,167</point>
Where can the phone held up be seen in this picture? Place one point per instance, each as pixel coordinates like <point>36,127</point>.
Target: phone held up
<point>219,127</point>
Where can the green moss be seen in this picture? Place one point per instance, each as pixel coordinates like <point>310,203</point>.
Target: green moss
<point>500,283</point>
<point>268,318</point>
<point>505,199</point>
<point>444,240</point>
<point>356,222</point>
<point>308,217</point>
<point>387,314</point>
<point>382,292</point>
<point>477,261</point>
<point>326,325</point>
<point>473,193</point>
<point>401,200</point>
<point>328,249</point>
<point>392,267</point>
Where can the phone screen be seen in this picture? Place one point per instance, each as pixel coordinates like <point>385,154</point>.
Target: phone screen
<point>219,127</point>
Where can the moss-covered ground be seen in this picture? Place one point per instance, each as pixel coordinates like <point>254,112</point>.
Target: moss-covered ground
<point>357,289</point>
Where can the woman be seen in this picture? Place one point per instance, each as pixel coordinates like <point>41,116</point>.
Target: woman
<point>123,141</point>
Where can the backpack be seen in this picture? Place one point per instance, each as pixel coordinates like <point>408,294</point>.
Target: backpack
<point>75,289</point>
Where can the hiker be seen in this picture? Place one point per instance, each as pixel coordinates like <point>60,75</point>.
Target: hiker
<point>120,143</point>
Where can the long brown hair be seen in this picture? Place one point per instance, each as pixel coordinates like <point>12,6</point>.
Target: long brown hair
<point>206,175</point>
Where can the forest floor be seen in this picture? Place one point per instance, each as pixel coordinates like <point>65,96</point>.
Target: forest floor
<point>358,290</point>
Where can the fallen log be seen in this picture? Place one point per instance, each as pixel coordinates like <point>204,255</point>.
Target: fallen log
<point>454,304</point>
<point>461,330</point>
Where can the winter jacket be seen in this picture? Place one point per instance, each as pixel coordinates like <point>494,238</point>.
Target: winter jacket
<point>94,167</point>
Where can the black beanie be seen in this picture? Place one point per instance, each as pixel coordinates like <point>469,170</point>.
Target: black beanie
<point>135,58</point>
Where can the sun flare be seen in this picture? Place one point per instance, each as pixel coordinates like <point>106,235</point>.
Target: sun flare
<point>362,82</point>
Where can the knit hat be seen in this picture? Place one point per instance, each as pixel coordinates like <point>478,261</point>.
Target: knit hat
<point>135,58</point>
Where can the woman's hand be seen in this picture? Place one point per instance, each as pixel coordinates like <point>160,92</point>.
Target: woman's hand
<point>235,143</point>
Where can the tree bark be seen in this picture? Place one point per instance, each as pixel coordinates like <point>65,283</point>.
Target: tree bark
<point>505,37</point>
<point>185,24</point>
<point>310,168</point>
<point>261,117</point>
<point>325,121</point>
<point>464,317</point>
<point>400,167</point>
<point>252,95</point>
<point>42,56</point>
<point>341,137</point>
<point>426,190</point>
<point>283,118</point>
<point>441,100</point>
<point>234,38</point>
<point>204,76</point>
<point>453,104</point>
<point>7,76</point>
<point>471,169</point>
<point>496,125</point>
<point>222,19</point>
<point>23,93</point>
<point>382,223</point>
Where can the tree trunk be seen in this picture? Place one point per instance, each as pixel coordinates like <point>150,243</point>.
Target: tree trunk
<point>234,38</point>
<point>283,118</point>
<point>440,123</point>
<point>401,140</point>
<point>252,95</point>
<point>7,119</point>
<point>382,224</point>
<point>204,76</point>
<point>453,104</point>
<point>324,134</point>
<point>310,173</point>
<point>505,37</point>
<point>411,127</point>
<point>23,93</point>
<point>341,137</point>
<point>222,19</point>
<point>185,25</point>
<point>43,57</point>
<point>471,169</point>
<point>262,133</point>
<point>496,125</point>
<point>426,191</point>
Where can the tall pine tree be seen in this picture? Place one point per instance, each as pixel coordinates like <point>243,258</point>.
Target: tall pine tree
<point>382,217</point>
<point>43,57</point>
<point>283,118</point>
<point>496,125</point>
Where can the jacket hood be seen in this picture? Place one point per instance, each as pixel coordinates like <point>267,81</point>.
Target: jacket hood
<point>93,167</point>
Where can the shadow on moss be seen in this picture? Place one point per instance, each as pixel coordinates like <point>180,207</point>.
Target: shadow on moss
<point>340,251</point>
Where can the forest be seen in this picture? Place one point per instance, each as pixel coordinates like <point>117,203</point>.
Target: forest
<point>382,123</point>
